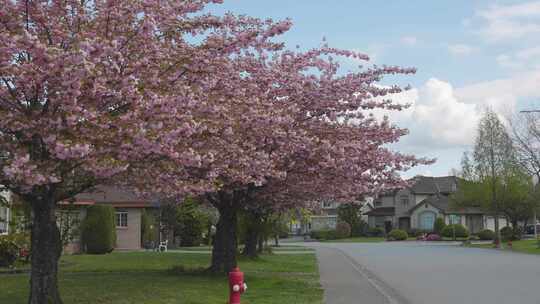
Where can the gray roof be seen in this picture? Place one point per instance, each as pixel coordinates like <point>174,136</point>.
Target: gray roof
<point>444,203</point>
<point>434,185</point>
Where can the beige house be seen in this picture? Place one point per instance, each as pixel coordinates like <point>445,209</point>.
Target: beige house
<point>128,210</point>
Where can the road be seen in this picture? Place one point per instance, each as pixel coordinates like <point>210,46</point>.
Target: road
<point>424,273</point>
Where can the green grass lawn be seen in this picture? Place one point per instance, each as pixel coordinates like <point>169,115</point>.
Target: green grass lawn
<point>280,248</point>
<point>524,246</point>
<point>145,277</point>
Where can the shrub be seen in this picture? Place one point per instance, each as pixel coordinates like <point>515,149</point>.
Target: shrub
<point>360,229</point>
<point>14,247</point>
<point>376,232</point>
<point>460,231</point>
<point>439,225</point>
<point>433,237</point>
<point>486,234</point>
<point>397,235</point>
<point>343,230</point>
<point>350,213</point>
<point>191,222</point>
<point>149,227</point>
<point>510,234</point>
<point>323,235</point>
<point>99,229</point>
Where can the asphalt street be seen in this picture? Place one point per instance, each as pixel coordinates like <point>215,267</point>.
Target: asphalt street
<point>425,273</point>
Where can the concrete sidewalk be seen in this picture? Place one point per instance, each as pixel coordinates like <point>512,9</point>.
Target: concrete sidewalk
<point>346,282</point>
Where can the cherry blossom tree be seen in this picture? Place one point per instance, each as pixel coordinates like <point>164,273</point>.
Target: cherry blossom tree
<point>327,145</point>
<point>94,92</point>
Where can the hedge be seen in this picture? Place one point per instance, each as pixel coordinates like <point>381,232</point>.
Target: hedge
<point>439,225</point>
<point>486,235</point>
<point>460,231</point>
<point>343,230</point>
<point>397,235</point>
<point>98,230</point>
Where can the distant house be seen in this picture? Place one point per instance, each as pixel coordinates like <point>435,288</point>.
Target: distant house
<point>128,211</point>
<point>417,207</point>
<point>327,216</point>
<point>4,213</point>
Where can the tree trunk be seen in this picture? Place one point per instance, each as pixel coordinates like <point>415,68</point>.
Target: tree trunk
<point>250,248</point>
<point>497,239</point>
<point>276,240</point>
<point>224,249</point>
<point>254,230</point>
<point>46,251</point>
<point>261,243</point>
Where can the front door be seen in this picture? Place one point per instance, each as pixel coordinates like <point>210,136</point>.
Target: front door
<point>404,223</point>
<point>388,226</point>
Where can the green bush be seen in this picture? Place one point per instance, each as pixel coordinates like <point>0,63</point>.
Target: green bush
<point>510,234</point>
<point>98,229</point>
<point>323,235</point>
<point>376,232</point>
<point>149,230</point>
<point>14,247</point>
<point>460,231</point>
<point>359,229</point>
<point>343,230</point>
<point>439,225</point>
<point>397,235</point>
<point>191,223</point>
<point>486,235</point>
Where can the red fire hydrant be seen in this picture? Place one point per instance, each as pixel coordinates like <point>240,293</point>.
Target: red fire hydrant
<point>236,285</point>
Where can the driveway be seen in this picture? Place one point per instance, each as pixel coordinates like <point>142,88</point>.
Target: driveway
<point>425,273</point>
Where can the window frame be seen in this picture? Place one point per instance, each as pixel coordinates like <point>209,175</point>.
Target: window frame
<point>404,199</point>
<point>118,219</point>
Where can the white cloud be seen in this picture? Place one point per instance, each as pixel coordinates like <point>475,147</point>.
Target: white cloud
<point>524,59</point>
<point>409,40</point>
<point>503,22</point>
<point>502,94</point>
<point>444,117</point>
<point>461,49</point>
<point>436,118</point>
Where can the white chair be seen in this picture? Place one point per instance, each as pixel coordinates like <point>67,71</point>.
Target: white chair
<point>163,246</point>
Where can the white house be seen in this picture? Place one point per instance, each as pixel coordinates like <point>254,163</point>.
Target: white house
<point>4,213</point>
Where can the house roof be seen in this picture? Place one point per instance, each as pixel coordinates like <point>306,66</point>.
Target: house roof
<point>113,195</point>
<point>381,211</point>
<point>433,185</point>
<point>444,204</point>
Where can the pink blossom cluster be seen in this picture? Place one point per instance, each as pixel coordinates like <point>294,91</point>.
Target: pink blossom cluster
<point>159,95</point>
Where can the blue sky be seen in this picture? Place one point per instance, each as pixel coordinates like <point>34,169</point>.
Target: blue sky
<point>469,54</point>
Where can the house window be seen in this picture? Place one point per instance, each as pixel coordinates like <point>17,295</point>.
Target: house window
<point>121,219</point>
<point>327,204</point>
<point>378,203</point>
<point>379,221</point>
<point>454,219</point>
<point>4,216</point>
<point>427,220</point>
<point>404,200</point>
